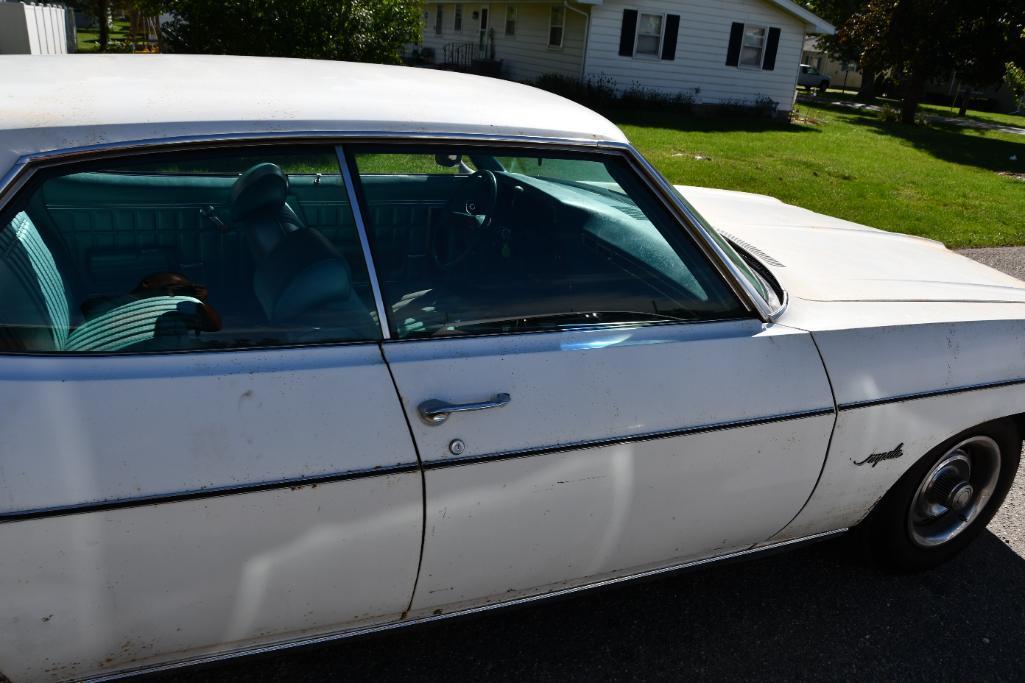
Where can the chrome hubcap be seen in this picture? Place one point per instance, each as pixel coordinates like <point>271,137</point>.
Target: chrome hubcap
<point>955,491</point>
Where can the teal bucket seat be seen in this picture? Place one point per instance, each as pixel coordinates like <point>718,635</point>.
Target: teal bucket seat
<point>35,314</point>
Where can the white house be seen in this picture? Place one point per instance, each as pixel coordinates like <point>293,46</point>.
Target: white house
<point>715,50</point>
<point>840,74</point>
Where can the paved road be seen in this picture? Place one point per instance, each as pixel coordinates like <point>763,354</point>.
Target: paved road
<point>814,613</point>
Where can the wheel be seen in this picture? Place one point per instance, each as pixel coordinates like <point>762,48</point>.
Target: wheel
<point>823,87</point>
<point>946,500</point>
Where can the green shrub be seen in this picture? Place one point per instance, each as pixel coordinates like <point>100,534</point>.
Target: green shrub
<point>759,108</point>
<point>1014,77</point>
<point>640,97</point>
<point>594,92</point>
<point>601,92</point>
<point>889,114</point>
<point>122,46</point>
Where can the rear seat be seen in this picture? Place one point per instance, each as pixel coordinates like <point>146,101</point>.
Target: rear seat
<point>35,312</point>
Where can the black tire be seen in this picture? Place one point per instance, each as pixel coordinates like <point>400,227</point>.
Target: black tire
<point>886,529</point>
<point>823,87</point>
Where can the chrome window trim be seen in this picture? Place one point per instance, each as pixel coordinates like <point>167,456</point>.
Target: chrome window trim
<point>364,241</point>
<point>756,550</point>
<point>685,214</point>
<point>28,164</point>
<point>569,329</point>
<point>784,300</point>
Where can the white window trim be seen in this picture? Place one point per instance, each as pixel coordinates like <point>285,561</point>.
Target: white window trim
<point>516,21</point>
<point>661,35</point>
<point>761,55</point>
<point>562,34</point>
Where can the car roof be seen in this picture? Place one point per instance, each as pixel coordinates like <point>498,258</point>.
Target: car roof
<point>74,101</point>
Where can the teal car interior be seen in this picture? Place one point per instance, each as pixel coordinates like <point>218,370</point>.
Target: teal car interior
<point>260,248</point>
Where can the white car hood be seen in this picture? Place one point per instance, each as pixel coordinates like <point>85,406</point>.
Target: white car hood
<point>819,258</point>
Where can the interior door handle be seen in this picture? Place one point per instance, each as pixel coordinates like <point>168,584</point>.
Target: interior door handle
<point>434,411</point>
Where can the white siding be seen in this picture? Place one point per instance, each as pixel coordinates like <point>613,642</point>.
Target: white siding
<point>526,55</point>
<point>700,65</point>
<point>32,29</point>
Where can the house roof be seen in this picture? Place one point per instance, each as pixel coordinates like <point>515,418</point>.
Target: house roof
<point>71,101</point>
<point>816,24</point>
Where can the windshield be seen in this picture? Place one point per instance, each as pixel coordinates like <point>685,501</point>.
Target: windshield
<point>596,178</point>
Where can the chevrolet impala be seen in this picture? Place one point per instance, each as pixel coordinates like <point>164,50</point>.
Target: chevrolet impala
<point>292,351</point>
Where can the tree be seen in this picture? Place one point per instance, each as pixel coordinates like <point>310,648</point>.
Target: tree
<point>100,9</point>
<point>925,40</point>
<point>355,30</point>
<point>1014,77</point>
<point>844,46</point>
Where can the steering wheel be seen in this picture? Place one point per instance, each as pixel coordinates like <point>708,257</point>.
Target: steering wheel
<point>467,215</point>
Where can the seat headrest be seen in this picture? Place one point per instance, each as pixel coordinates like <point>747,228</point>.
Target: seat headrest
<point>263,187</point>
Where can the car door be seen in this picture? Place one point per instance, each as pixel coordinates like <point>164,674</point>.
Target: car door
<point>587,395</point>
<point>168,490</point>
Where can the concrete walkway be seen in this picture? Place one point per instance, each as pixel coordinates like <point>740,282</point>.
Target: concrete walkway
<point>954,121</point>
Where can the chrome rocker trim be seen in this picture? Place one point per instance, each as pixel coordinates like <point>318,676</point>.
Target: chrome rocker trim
<point>381,628</point>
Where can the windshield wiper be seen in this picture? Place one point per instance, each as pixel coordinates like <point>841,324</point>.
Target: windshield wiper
<point>563,319</point>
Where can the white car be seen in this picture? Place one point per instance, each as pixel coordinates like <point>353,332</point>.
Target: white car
<point>292,351</point>
<point>811,78</point>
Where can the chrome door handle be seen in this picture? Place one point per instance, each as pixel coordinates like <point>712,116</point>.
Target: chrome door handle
<point>434,411</point>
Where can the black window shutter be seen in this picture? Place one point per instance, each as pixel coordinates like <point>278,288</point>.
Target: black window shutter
<point>626,35</point>
<point>736,35</point>
<point>769,63</point>
<point>669,40</point>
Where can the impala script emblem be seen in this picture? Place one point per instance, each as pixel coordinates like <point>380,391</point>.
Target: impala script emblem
<point>877,458</point>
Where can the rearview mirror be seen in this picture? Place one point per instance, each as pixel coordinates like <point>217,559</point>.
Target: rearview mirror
<point>448,160</point>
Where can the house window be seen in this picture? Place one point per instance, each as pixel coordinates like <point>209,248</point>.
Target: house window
<point>485,18</point>
<point>753,46</point>
<point>649,35</point>
<point>555,26</point>
<point>510,20</point>
<point>457,20</point>
<point>438,19</point>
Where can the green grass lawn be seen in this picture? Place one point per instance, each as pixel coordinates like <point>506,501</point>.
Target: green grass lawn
<point>937,181</point>
<point>89,39</point>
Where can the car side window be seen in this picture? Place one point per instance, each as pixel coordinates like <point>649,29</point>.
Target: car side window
<point>252,247</point>
<point>527,241</point>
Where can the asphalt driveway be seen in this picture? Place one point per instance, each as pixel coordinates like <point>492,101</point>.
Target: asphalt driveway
<point>815,613</point>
